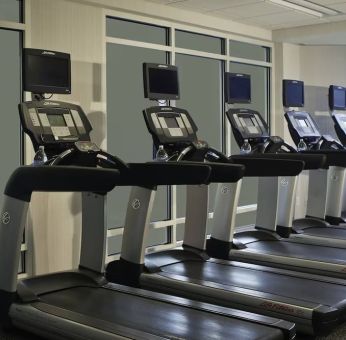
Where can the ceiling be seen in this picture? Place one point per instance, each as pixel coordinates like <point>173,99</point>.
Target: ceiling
<point>260,13</point>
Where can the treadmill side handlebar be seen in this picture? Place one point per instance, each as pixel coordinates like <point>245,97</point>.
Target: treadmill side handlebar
<point>333,157</point>
<point>27,179</point>
<point>268,167</point>
<point>151,174</point>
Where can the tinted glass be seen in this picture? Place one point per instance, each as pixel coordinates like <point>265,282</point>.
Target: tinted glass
<point>248,51</point>
<point>200,42</point>
<point>136,31</point>
<point>127,134</point>
<point>11,10</point>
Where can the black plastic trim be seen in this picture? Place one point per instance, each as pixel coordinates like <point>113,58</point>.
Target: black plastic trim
<point>6,300</point>
<point>283,231</point>
<point>26,179</point>
<point>334,220</point>
<point>124,272</point>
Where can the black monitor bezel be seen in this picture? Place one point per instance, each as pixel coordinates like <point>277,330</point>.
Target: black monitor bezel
<point>154,95</point>
<point>285,83</point>
<point>331,92</point>
<point>227,80</point>
<point>42,88</point>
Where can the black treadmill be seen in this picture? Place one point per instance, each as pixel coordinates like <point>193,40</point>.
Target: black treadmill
<point>81,304</point>
<point>315,303</point>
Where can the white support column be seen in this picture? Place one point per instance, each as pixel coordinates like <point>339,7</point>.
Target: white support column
<point>336,184</point>
<point>12,222</point>
<point>267,203</point>
<point>94,232</point>
<point>225,211</point>
<point>139,209</point>
<point>287,194</point>
<point>195,232</point>
<point>317,193</point>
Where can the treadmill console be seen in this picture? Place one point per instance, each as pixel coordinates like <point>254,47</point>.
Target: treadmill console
<point>170,125</point>
<point>54,124</point>
<point>302,126</point>
<point>247,124</point>
<point>340,126</point>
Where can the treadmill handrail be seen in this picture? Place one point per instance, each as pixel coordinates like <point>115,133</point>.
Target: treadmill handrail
<point>333,157</point>
<point>27,179</point>
<point>311,161</point>
<point>263,167</point>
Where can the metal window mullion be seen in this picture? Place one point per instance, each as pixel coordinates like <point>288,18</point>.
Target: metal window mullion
<point>128,42</point>
<point>250,62</point>
<point>200,53</point>
<point>10,25</point>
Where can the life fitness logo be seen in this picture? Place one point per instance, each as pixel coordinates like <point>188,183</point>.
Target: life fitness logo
<point>5,218</point>
<point>278,307</point>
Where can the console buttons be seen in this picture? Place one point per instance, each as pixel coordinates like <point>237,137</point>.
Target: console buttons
<point>60,131</point>
<point>68,120</point>
<point>44,119</point>
<point>78,121</point>
<point>34,118</point>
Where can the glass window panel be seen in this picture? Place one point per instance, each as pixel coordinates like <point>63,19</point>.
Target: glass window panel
<point>245,219</point>
<point>199,42</point>
<point>127,134</point>
<point>200,92</point>
<point>248,51</point>
<point>136,31</point>
<point>11,10</point>
<point>259,102</point>
<point>10,96</point>
<point>155,237</point>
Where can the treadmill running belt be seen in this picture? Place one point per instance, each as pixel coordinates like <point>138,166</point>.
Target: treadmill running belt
<point>329,232</point>
<point>300,250</point>
<point>150,316</point>
<point>267,282</point>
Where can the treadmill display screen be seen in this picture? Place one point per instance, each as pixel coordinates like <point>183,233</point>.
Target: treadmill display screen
<point>56,120</point>
<point>160,81</point>
<point>304,125</point>
<point>237,88</point>
<point>171,123</point>
<point>337,97</point>
<point>293,93</point>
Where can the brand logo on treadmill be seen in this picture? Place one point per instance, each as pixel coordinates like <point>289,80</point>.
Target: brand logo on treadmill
<point>51,103</point>
<point>334,177</point>
<point>6,218</point>
<point>284,182</point>
<point>48,53</point>
<point>225,190</point>
<point>136,204</point>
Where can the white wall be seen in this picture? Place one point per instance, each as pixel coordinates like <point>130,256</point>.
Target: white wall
<point>77,27</point>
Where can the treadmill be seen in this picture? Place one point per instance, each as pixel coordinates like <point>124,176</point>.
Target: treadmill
<point>263,244</point>
<point>316,304</point>
<point>81,304</point>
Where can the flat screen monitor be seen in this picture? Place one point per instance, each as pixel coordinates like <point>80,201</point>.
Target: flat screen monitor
<point>160,81</point>
<point>337,97</point>
<point>46,71</point>
<point>293,93</point>
<point>237,88</point>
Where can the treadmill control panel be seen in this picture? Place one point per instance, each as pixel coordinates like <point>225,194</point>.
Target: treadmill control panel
<point>247,124</point>
<point>53,122</point>
<point>340,126</point>
<point>170,125</point>
<point>302,126</point>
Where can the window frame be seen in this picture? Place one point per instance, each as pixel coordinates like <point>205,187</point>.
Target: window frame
<point>22,27</point>
<point>172,50</point>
